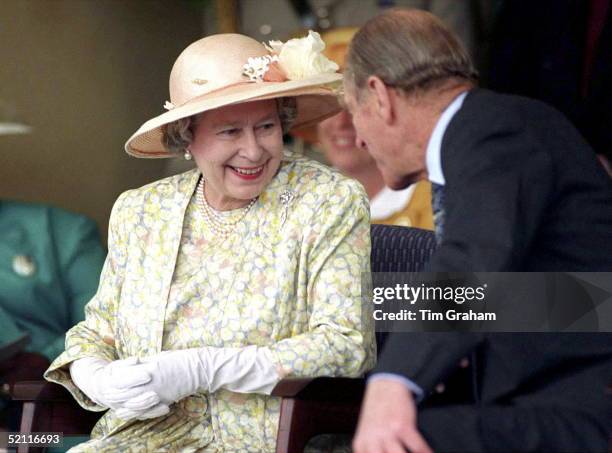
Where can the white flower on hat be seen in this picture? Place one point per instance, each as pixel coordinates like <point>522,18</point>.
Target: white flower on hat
<point>297,59</point>
<point>301,58</point>
<point>256,67</point>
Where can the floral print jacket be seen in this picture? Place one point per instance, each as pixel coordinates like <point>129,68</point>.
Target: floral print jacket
<point>289,279</point>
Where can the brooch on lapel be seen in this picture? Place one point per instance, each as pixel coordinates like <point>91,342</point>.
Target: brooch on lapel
<point>286,198</point>
<point>24,266</point>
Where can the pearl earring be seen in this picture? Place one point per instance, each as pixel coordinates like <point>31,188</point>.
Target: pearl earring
<point>187,155</point>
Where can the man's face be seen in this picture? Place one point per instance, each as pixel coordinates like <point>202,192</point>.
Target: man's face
<point>381,140</point>
<point>363,118</point>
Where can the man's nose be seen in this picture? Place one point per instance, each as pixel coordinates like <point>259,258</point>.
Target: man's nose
<point>360,143</point>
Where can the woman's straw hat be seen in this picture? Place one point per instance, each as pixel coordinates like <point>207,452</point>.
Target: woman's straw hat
<point>226,69</point>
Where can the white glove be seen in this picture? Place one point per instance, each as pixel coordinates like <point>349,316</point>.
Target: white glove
<point>137,408</point>
<point>118,386</point>
<point>178,374</point>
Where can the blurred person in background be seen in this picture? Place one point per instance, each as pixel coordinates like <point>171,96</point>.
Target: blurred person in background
<point>50,263</point>
<point>335,137</point>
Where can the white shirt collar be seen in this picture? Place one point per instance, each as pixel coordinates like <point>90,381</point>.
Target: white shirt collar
<point>387,202</point>
<point>433,159</point>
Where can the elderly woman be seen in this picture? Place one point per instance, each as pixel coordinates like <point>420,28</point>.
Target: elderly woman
<point>223,280</point>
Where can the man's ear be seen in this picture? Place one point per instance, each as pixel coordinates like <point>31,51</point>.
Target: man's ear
<point>383,104</point>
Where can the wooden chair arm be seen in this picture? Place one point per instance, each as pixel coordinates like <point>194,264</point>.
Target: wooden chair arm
<point>310,407</point>
<point>290,387</point>
<point>42,391</point>
<point>50,407</point>
<point>325,388</point>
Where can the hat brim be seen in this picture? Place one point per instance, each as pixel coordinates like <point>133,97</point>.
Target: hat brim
<point>317,99</point>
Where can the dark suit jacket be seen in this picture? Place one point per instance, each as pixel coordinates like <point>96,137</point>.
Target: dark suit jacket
<point>523,192</point>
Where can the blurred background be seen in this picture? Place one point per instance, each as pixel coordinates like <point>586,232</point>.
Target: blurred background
<point>85,74</point>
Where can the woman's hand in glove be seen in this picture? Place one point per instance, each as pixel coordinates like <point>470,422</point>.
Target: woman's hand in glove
<point>181,373</point>
<point>117,385</point>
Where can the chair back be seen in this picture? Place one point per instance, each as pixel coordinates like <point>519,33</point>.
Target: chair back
<point>399,249</point>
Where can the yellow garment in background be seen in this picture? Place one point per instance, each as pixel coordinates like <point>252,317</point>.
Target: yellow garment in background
<point>417,213</point>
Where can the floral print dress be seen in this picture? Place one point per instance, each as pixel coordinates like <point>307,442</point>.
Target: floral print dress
<point>287,279</point>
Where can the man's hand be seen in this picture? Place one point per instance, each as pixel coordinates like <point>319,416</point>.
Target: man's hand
<point>387,423</point>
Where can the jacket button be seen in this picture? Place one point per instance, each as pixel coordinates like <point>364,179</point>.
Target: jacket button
<point>464,363</point>
<point>440,388</point>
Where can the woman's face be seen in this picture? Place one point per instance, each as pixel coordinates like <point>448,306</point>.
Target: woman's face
<point>337,137</point>
<point>238,148</point>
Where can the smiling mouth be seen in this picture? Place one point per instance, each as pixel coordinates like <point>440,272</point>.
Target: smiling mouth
<point>343,142</point>
<point>247,172</point>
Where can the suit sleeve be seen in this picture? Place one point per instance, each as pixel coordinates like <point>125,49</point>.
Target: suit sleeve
<point>426,358</point>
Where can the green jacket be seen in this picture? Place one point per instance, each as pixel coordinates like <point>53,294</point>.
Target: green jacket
<point>50,263</point>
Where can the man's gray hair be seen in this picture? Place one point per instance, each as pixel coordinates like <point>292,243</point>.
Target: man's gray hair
<point>178,135</point>
<point>409,50</point>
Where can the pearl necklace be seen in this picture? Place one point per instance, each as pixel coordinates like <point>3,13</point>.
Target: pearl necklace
<point>215,222</point>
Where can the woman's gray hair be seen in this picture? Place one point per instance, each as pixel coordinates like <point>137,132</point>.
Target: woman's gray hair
<point>178,135</point>
<point>407,49</point>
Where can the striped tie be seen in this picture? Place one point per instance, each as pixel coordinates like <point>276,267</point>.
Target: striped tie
<point>437,204</point>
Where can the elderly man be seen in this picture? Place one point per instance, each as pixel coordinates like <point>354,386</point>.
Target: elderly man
<point>515,189</point>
